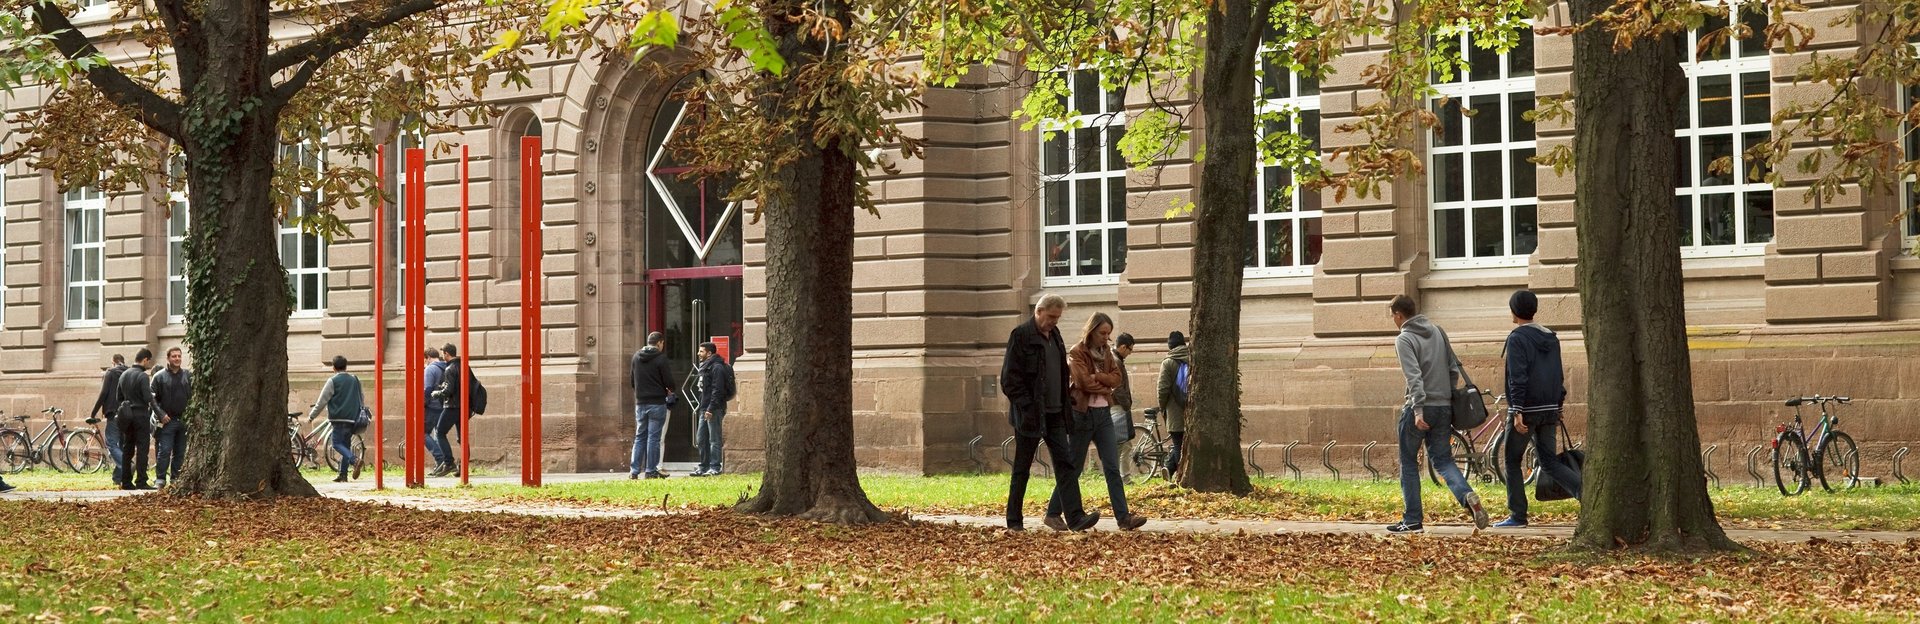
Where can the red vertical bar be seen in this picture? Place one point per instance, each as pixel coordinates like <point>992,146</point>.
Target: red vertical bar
<point>379,321</point>
<point>416,314</point>
<point>466,365</point>
<point>533,295</point>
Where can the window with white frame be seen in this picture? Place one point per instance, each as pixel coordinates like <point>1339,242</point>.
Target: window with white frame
<point>1284,218</point>
<point>1910,142</point>
<point>86,212</point>
<point>1722,210</point>
<point>3,249</point>
<point>88,6</point>
<point>177,242</point>
<point>1481,183</point>
<point>403,140</point>
<point>1083,193</point>
<point>304,255</point>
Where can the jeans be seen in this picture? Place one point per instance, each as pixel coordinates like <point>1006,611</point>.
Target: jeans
<point>439,422</point>
<point>136,435</point>
<point>1439,429</point>
<point>1065,489</point>
<point>1541,427</point>
<point>113,446</point>
<point>342,439</point>
<point>649,424</point>
<point>710,437</point>
<point>1173,456</point>
<point>170,450</point>
<point>1096,426</point>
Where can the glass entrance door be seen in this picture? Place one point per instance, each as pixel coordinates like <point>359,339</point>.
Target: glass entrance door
<point>692,306</point>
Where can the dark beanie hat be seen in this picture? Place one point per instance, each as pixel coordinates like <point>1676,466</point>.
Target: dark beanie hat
<point>1176,340</point>
<point>1524,304</point>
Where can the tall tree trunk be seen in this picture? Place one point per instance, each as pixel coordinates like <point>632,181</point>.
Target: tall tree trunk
<point>1212,461</point>
<point>809,387</point>
<point>237,314</point>
<point>1644,484</point>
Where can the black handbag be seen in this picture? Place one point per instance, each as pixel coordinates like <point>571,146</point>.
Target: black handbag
<point>1545,488</point>
<point>1469,406</point>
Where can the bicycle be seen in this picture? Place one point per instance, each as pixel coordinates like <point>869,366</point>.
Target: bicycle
<point>315,447</point>
<point>1832,450</point>
<point>1148,452</point>
<point>80,448</point>
<point>1487,463</point>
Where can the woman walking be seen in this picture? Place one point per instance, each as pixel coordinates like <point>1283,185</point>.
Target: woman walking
<point>1096,374</point>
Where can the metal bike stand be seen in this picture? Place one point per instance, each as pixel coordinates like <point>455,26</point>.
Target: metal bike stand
<point>973,453</point>
<point>1366,460</point>
<point>1706,461</point>
<point>1899,457</point>
<point>1004,456</point>
<point>1257,470</point>
<point>1326,459</point>
<point>1753,465</point>
<point>1286,456</point>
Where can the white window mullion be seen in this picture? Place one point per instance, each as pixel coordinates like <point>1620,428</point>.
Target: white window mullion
<point>305,255</point>
<point>85,212</point>
<point>1456,203</point>
<point>1065,231</point>
<point>1744,67</point>
<point>1298,97</point>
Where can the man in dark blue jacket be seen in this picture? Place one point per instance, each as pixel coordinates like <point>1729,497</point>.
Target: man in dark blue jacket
<point>1536,390</point>
<point>136,427</point>
<point>172,390</point>
<point>107,407</point>
<point>715,385</point>
<point>652,383</point>
<point>1034,377</point>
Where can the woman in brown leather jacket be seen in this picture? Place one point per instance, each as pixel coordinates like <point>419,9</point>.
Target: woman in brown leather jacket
<point>1096,372</point>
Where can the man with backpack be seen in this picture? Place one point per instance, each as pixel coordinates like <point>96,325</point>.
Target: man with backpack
<point>1536,389</point>
<point>1427,360</point>
<point>172,389</point>
<point>136,427</point>
<point>437,446</point>
<point>107,407</point>
<point>1176,380</point>
<point>714,382</point>
<point>451,392</point>
<point>343,399</point>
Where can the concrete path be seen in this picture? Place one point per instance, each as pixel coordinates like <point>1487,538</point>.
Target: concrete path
<point>362,490</point>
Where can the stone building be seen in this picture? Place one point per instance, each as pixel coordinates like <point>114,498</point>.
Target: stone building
<point>1785,296</point>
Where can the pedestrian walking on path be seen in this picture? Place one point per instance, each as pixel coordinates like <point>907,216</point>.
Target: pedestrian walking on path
<point>1427,359</point>
<point>1034,377</point>
<point>1097,374</point>
<point>1536,390</point>
<point>343,399</point>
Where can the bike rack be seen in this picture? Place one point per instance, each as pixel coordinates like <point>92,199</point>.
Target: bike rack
<point>1326,459</point>
<point>1257,470</point>
<point>1706,461</point>
<point>1753,464</point>
<point>1366,459</point>
<point>1004,444</point>
<point>1286,456</point>
<point>973,453</point>
<point>1900,456</point>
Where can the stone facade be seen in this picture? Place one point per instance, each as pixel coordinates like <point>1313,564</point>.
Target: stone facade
<point>963,242</point>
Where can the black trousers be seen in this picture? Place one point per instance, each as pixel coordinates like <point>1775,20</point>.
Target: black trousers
<point>1066,489</point>
<point>136,436</point>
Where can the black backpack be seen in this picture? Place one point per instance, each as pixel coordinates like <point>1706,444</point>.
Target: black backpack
<point>450,394</point>
<point>731,388</point>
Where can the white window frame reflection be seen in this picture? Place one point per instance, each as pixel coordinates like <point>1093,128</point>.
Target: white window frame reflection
<point>1739,62</point>
<point>1509,86</point>
<point>1061,178</point>
<point>1300,213</point>
<point>85,249</point>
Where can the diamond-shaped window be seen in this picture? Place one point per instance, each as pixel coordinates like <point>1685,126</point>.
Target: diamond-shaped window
<point>697,205</point>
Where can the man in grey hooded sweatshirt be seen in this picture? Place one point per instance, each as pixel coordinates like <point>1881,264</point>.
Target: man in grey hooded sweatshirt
<point>1426,357</point>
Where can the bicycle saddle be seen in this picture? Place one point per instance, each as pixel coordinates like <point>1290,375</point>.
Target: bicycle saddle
<point>1152,412</point>
<point>19,418</point>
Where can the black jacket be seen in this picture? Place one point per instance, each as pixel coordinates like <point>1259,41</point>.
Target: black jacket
<point>650,377</point>
<point>172,391</point>
<point>109,401</point>
<point>715,377</point>
<point>1023,378</point>
<point>136,394</point>
<point>1536,382</point>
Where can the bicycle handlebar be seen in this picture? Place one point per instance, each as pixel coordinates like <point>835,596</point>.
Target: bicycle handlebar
<point>1817,399</point>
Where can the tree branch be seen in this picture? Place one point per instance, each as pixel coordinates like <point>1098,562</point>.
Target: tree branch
<point>146,105</point>
<point>189,46</point>
<point>345,35</point>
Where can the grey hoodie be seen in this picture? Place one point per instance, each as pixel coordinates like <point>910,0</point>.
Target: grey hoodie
<point>1426,357</point>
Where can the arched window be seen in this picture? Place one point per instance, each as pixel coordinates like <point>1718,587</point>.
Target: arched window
<point>689,221</point>
<point>505,216</point>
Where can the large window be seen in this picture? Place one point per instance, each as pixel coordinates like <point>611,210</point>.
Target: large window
<point>1910,141</point>
<point>1284,218</point>
<point>1481,182</point>
<point>177,242</point>
<point>1084,185</point>
<point>1728,109</point>
<point>304,255</point>
<point>86,211</point>
<point>3,250</point>
<point>506,212</point>
<point>396,211</point>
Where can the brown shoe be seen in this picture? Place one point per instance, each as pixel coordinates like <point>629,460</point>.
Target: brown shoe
<point>356,468</point>
<point>1131,522</point>
<point>1056,523</point>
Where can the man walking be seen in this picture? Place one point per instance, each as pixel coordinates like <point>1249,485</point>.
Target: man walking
<point>449,392</point>
<point>1176,377</point>
<point>342,398</point>
<point>172,389</point>
<point>1034,376</point>
<point>108,407</point>
<point>136,430</point>
<point>1536,390</point>
<point>652,383</point>
<point>1426,357</point>
<point>715,385</point>
<point>436,446</point>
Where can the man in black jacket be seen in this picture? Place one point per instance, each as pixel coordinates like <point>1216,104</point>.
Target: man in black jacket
<point>652,382</point>
<point>172,388</point>
<point>136,431</point>
<point>108,406</point>
<point>715,384</point>
<point>1536,389</point>
<point>1034,377</point>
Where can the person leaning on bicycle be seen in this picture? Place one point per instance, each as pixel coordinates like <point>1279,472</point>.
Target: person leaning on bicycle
<point>343,400</point>
<point>1536,388</point>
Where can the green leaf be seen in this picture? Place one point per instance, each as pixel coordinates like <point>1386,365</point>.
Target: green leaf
<point>658,28</point>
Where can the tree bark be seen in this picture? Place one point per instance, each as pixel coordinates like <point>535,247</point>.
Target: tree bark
<point>809,386</point>
<point>1212,460</point>
<point>1644,484</point>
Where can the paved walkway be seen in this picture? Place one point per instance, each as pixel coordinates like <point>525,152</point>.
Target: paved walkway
<point>362,490</point>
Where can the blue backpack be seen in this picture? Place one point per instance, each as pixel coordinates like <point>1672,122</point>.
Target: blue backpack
<point>1184,379</point>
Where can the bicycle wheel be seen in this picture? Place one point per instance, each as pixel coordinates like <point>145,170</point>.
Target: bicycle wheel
<point>1462,457</point>
<point>1140,453</point>
<point>15,456</point>
<point>85,453</point>
<point>1790,461</point>
<point>1838,463</point>
<point>332,457</point>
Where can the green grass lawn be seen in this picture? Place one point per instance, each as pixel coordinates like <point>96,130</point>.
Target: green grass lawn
<point>155,558</point>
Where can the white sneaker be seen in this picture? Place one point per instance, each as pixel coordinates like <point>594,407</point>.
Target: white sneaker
<point>1480,520</point>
